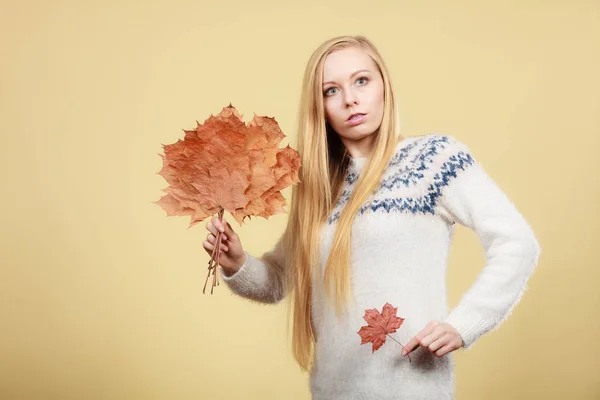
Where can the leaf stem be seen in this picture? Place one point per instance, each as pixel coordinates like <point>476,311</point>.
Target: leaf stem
<point>213,263</point>
<point>394,339</point>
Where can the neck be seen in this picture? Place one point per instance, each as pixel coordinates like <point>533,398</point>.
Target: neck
<point>361,148</point>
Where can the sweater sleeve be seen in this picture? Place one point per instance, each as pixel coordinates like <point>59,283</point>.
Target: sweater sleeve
<point>262,279</point>
<point>471,198</point>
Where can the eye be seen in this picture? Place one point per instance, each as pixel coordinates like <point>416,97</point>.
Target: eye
<point>363,78</point>
<point>328,91</point>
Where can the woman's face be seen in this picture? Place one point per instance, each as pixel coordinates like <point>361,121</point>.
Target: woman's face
<point>352,85</point>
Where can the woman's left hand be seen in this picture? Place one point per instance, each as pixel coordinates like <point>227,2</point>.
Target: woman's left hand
<point>439,337</point>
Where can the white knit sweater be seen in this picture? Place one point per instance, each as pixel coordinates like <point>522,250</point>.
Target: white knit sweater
<point>400,243</point>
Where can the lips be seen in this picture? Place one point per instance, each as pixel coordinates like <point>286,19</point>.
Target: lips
<point>353,115</point>
<point>357,120</point>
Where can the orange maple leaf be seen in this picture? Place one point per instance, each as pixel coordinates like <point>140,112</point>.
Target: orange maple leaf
<point>380,325</point>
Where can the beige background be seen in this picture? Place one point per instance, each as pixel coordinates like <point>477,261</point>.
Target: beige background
<point>100,293</point>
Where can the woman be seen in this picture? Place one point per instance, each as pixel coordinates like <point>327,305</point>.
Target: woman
<point>371,223</point>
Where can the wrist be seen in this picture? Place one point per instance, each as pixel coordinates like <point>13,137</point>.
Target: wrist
<point>238,264</point>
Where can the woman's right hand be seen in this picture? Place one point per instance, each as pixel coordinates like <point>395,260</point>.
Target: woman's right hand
<point>232,255</point>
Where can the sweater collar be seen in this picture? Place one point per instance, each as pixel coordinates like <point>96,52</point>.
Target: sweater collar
<point>356,164</point>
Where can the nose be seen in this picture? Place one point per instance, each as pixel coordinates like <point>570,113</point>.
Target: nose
<point>350,97</point>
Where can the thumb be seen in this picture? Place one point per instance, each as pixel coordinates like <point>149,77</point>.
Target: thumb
<point>228,229</point>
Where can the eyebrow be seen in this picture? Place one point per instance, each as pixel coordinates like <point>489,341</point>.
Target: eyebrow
<point>354,73</point>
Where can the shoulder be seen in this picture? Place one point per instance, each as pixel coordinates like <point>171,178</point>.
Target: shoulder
<point>434,143</point>
<point>422,164</point>
<point>431,152</point>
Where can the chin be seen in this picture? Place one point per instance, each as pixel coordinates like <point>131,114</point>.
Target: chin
<point>361,131</point>
<point>356,136</point>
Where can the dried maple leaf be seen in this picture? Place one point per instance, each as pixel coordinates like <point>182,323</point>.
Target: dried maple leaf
<point>224,164</point>
<point>380,325</point>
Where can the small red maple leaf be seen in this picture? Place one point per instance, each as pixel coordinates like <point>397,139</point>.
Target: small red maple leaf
<point>380,325</point>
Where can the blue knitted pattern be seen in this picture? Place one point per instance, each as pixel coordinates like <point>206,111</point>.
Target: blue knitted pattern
<point>422,153</point>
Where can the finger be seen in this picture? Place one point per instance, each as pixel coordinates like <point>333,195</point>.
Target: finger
<point>218,224</point>
<point>439,343</point>
<point>229,230</point>
<point>444,350</point>
<point>410,346</point>
<point>211,238</point>
<point>435,334</point>
<point>211,227</point>
<point>415,342</point>
<point>210,246</point>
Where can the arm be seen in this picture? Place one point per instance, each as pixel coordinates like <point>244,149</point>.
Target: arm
<point>472,199</point>
<point>261,279</point>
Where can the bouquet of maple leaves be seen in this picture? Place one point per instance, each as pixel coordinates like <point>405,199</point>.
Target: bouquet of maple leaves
<point>223,165</point>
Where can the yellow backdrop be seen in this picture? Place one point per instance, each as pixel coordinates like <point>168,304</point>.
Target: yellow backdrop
<point>100,293</point>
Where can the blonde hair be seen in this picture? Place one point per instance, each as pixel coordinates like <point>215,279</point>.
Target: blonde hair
<point>324,165</point>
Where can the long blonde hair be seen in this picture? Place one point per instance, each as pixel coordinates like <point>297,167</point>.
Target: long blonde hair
<point>324,165</point>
